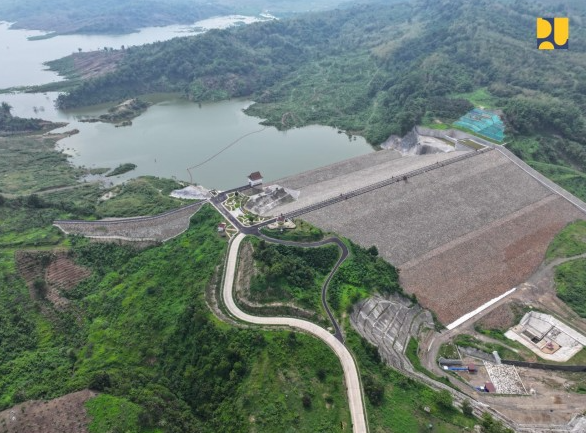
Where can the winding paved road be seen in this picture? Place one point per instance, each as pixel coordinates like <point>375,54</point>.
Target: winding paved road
<point>351,377</point>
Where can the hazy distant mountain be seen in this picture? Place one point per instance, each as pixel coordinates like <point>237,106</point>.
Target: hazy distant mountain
<point>118,16</point>
<point>380,69</point>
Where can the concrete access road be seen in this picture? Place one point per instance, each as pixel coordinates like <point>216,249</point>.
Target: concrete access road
<point>351,377</point>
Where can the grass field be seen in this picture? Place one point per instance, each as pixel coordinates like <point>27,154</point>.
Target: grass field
<point>30,164</point>
<point>303,232</point>
<point>449,351</point>
<point>569,242</point>
<point>480,98</point>
<point>465,340</point>
<point>146,195</point>
<point>570,287</point>
<point>543,154</point>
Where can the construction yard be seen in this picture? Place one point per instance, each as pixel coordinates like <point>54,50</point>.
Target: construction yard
<point>547,337</point>
<point>461,233</point>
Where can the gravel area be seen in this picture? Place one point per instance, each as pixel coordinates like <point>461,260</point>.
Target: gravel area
<point>341,168</point>
<point>340,178</point>
<point>463,274</point>
<point>408,219</point>
<point>461,234</point>
<point>505,378</point>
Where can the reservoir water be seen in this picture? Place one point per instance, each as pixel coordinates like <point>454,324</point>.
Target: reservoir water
<point>174,134</point>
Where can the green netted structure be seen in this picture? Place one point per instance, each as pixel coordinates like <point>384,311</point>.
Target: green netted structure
<point>483,123</point>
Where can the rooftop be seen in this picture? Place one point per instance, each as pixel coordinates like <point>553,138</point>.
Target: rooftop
<point>255,176</point>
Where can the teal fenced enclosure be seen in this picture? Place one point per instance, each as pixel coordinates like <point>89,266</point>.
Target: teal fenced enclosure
<point>483,123</point>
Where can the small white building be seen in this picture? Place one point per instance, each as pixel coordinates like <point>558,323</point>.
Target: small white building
<point>255,179</point>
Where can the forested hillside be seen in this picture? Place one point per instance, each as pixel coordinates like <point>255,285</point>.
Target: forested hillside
<point>103,16</point>
<point>379,69</point>
<point>120,16</point>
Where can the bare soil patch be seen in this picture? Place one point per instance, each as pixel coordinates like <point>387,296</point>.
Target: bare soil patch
<point>503,317</point>
<point>63,414</point>
<point>50,273</point>
<point>96,63</point>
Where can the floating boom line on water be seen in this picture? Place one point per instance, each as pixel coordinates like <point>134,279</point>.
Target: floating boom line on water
<point>221,151</point>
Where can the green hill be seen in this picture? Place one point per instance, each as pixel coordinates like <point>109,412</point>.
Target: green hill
<point>379,69</point>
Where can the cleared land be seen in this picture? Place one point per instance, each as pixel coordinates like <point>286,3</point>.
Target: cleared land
<point>63,414</point>
<point>461,234</point>
<point>50,273</point>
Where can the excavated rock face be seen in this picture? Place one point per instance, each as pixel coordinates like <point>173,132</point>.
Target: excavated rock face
<point>270,198</point>
<point>415,143</point>
<point>388,323</point>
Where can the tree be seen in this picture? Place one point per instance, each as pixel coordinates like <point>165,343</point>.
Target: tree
<point>6,107</point>
<point>373,251</point>
<point>467,408</point>
<point>321,374</point>
<point>40,288</point>
<point>444,399</point>
<point>306,401</point>
<point>374,390</point>
<point>490,425</point>
<point>34,201</point>
<point>100,381</point>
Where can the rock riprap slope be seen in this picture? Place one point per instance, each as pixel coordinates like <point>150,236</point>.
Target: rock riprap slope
<point>461,234</point>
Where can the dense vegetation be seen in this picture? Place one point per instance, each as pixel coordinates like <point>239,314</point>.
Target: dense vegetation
<point>121,169</point>
<point>361,275</point>
<point>139,330</point>
<point>149,342</point>
<point>569,242</point>
<point>292,273</point>
<point>103,16</point>
<point>109,16</point>
<point>10,124</point>
<point>397,403</point>
<point>379,69</point>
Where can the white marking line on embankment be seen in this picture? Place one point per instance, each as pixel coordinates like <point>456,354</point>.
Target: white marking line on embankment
<point>483,307</point>
<point>350,371</point>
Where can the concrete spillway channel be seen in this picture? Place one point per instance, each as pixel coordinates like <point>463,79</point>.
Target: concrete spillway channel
<point>354,390</point>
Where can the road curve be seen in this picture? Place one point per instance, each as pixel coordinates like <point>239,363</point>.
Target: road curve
<point>348,365</point>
